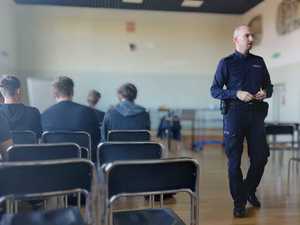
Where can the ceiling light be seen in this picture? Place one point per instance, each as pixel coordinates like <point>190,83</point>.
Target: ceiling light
<point>191,3</point>
<point>133,1</point>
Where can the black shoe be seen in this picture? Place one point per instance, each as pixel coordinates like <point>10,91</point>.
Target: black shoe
<point>252,199</point>
<point>239,212</point>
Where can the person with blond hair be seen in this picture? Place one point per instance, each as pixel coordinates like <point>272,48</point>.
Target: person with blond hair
<point>67,115</point>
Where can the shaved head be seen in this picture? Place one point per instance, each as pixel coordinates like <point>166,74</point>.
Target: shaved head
<point>237,31</point>
<point>243,39</point>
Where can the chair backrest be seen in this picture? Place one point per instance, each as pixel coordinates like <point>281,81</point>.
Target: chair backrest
<point>151,176</point>
<point>129,135</point>
<point>69,216</point>
<point>35,152</point>
<point>24,137</point>
<point>112,151</point>
<point>41,178</point>
<point>82,138</point>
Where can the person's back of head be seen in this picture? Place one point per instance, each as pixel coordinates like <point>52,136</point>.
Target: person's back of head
<point>126,115</point>
<point>127,92</point>
<point>63,88</point>
<point>93,98</point>
<point>10,88</point>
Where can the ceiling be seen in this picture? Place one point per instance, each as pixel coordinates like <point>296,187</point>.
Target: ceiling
<point>208,6</point>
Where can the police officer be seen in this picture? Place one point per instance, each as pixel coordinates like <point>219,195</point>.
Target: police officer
<point>247,83</point>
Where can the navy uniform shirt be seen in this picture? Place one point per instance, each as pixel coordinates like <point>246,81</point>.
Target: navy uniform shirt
<point>4,129</point>
<point>241,72</point>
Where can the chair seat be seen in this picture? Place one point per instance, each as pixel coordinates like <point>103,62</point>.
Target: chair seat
<point>69,216</point>
<point>160,216</point>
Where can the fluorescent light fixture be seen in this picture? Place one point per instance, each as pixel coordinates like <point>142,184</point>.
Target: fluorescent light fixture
<point>133,1</point>
<point>192,3</point>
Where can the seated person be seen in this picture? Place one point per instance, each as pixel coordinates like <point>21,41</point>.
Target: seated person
<point>18,115</point>
<point>5,139</point>
<point>126,115</point>
<point>93,99</point>
<point>67,115</point>
<point>170,129</point>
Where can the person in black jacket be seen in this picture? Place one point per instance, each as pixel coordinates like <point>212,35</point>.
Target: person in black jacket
<point>18,115</point>
<point>126,115</point>
<point>67,115</point>
<point>93,99</point>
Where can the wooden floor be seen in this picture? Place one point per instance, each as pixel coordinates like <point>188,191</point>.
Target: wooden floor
<point>278,208</point>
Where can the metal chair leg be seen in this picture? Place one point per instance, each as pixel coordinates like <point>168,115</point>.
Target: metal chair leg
<point>161,200</point>
<point>288,178</point>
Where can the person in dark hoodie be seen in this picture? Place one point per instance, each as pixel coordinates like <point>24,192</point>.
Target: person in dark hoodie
<point>67,115</point>
<point>93,99</point>
<point>126,115</point>
<point>18,115</point>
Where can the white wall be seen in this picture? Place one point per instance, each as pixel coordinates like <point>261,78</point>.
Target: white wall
<point>43,87</point>
<point>289,75</point>
<point>7,36</point>
<point>286,68</point>
<point>287,45</point>
<point>81,39</point>
<point>175,59</point>
<point>176,52</point>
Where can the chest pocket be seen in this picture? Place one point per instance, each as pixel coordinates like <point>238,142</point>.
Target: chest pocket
<point>257,71</point>
<point>236,77</point>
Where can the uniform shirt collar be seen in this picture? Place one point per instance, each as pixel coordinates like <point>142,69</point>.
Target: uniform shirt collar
<point>240,55</point>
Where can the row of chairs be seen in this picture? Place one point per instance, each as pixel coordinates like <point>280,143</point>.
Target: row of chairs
<point>29,180</point>
<point>82,138</point>
<point>106,152</point>
<point>123,178</point>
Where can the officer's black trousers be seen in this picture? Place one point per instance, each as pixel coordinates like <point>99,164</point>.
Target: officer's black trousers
<point>245,121</point>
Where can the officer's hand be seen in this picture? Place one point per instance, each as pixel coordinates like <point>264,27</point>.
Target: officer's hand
<point>244,96</point>
<point>261,95</point>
